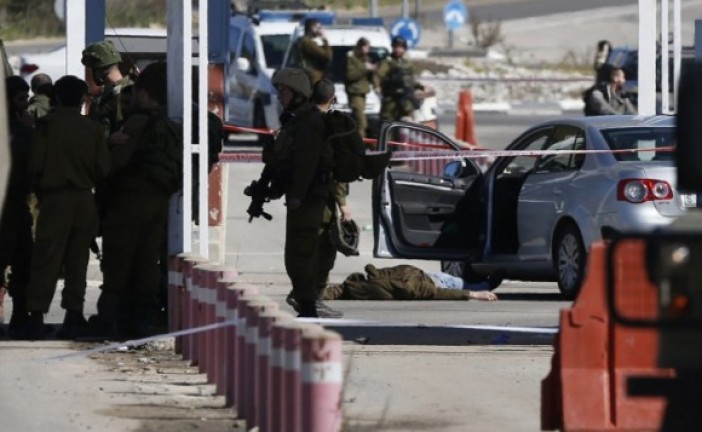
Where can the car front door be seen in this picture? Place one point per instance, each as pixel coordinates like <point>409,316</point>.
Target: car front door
<point>419,211</point>
<point>545,194</point>
<point>245,73</point>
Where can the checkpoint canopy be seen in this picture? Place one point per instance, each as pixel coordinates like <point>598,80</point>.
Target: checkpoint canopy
<point>408,29</point>
<point>455,15</point>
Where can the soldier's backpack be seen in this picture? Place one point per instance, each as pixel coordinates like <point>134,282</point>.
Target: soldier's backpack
<point>351,162</point>
<point>159,156</point>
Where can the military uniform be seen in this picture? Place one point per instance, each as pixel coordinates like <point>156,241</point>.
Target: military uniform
<point>69,155</point>
<point>358,82</point>
<point>403,282</point>
<point>299,163</point>
<point>398,84</point>
<point>314,58</point>
<point>133,227</point>
<point>16,223</point>
<point>107,108</point>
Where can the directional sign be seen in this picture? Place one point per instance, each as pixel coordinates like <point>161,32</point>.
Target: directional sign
<point>455,14</point>
<point>408,29</point>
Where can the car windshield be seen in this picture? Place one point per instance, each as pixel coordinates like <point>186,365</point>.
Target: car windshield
<point>337,70</point>
<point>274,47</point>
<point>646,140</point>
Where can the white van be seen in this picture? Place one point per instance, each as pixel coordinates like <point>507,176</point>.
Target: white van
<point>342,38</point>
<point>257,48</point>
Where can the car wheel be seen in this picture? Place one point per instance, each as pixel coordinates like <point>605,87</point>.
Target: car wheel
<point>570,258</point>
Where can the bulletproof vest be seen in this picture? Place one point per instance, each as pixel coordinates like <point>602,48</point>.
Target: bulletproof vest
<point>159,156</point>
<point>107,107</point>
<point>399,80</point>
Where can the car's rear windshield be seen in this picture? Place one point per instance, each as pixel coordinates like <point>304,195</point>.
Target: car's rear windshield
<point>650,143</point>
<point>274,47</point>
<point>337,70</point>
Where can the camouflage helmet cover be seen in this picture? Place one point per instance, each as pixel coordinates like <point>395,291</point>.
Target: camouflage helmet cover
<point>296,79</point>
<point>100,55</point>
<point>345,236</point>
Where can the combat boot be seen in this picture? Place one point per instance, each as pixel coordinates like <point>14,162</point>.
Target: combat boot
<point>324,311</point>
<point>34,327</point>
<point>18,320</point>
<point>99,328</point>
<point>292,302</point>
<point>73,326</point>
<point>308,309</point>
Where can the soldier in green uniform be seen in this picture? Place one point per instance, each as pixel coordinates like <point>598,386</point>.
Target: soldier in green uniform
<point>68,156</point>
<point>103,60</point>
<point>15,219</point>
<point>40,102</point>
<point>406,282</point>
<point>298,166</point>
<point>313,51</point>
<point>143,164</point>
<point>359,80</point>
<point>398,84</point>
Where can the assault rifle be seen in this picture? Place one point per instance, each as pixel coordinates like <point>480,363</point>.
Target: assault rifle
<point>259,196</point>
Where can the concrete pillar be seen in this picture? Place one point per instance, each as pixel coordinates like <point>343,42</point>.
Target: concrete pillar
<point>85,24</point>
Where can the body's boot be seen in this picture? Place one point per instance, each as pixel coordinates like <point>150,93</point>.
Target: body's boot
<point>74,324</point>
<point>308,309</point>
<point>34,328</point>
<point>19,318</point>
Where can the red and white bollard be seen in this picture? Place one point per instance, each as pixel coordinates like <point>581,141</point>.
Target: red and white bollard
<point>264,384</point>
<point>220,341</point>
<point>292,375</point>
<point>188,301</point>
<point>322,381</point>
<point>234,345</point>
<point>253,311</point>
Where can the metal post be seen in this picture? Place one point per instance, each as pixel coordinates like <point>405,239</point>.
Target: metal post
<point>450,38</point>
<point>373,8</point>
<point>203,192</point>
<point>417,8</point>
<point>179,45</point>
<point>698,41</point>
<point>75,37</point>
<point>647,57</point>
<point>405,8</point>
<point>677,48</point>
<point>665,88</point>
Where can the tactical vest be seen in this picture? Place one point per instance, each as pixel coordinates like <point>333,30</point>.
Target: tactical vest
<point>399,80</point>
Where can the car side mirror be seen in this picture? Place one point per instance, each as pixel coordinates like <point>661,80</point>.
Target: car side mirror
<point>453,170</point>
<point>243,64</point>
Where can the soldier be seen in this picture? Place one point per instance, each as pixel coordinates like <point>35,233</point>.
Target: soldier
<point>15,219</point>
<point>40,103</point>
<point>298,166</point>
<point>103,61</point>
<point>359,80</point>
<point>314,51</point>
<point>405,282</point>
<point>398,84</point>
<point>69,155</point>
<point>146,171</point>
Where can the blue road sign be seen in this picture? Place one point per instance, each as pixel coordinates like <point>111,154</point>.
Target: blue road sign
<point>455,14</point>
<point>408,29</point>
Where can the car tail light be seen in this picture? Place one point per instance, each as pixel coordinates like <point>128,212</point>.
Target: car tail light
<point>28,68</point>
<point>642,190</point>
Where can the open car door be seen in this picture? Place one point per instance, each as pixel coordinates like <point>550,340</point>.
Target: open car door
<point>427,208</point>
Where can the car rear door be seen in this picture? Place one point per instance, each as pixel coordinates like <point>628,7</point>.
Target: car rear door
<point>547,193</point>
<point>420,213</point>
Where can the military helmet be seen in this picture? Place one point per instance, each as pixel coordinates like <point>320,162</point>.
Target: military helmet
<point>100,55</point>
<point>345,236</point>
<point>296,79</point>
<point>399,41</point>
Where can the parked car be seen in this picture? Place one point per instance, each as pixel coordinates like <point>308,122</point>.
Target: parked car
<point>532,217</point>
<point>342,38</point>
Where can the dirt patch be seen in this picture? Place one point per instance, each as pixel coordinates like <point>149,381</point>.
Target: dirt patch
<point>155,386</point>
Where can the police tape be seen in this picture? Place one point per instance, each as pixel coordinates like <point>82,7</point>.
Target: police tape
<point>399,156</point>
<point>329,322</point>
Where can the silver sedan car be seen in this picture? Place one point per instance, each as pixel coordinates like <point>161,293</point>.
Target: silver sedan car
<point>533,217</point>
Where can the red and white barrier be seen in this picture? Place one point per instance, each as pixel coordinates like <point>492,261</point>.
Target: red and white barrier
<point>322,378</point>
<point>280,374</point>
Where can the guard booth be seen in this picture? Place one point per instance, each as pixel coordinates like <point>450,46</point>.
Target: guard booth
<point>85,24</point>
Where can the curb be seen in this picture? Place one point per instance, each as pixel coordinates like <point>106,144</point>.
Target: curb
<point>521,108</point>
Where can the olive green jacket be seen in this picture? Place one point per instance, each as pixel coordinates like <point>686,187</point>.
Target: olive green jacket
<point>358,79</point>
<point>314,58</point>
<point>68,152</point>
<point>107,108</point>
